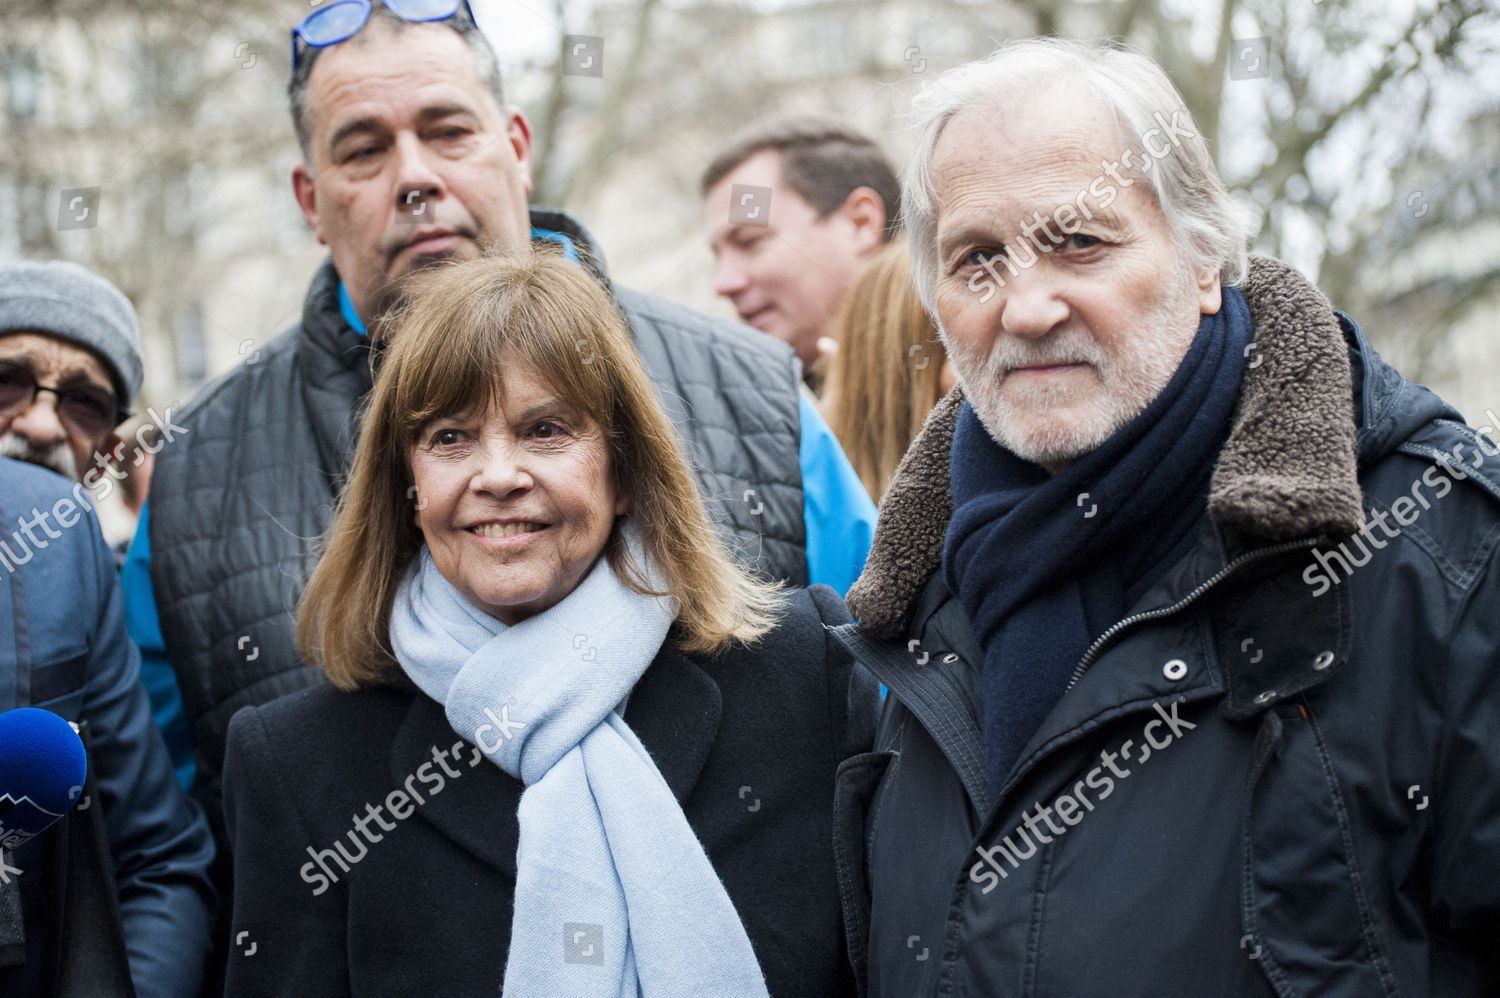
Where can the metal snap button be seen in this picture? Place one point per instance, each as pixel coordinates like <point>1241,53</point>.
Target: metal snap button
<point>1175,669</point>
<point>1266,697</point>
<point>950,658</point>
<point>1323,661</point>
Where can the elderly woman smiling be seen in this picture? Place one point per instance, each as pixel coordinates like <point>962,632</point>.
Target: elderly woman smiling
<point>568,747</point>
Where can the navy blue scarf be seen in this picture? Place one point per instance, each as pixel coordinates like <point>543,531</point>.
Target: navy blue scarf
<point>1040,579</point>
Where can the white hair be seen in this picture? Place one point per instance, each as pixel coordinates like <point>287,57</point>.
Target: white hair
<point>1205,222</point>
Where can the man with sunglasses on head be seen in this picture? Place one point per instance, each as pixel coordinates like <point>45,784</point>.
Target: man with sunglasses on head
<point>413,160</point>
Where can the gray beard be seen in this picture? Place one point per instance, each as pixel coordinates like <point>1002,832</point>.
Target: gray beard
<point>58,457</point>
<point>1129,384</point>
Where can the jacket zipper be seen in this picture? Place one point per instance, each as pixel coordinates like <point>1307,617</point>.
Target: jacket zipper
<point>1260,554</point>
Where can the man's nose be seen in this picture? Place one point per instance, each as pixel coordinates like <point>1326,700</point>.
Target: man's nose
<point>418,182</point>
<point>1033,304</point>
<point>730,278</point>
<point>39,423</point>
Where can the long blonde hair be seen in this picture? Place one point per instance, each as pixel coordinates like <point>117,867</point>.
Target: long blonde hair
<point>448,352</point>
<point>886,376</point>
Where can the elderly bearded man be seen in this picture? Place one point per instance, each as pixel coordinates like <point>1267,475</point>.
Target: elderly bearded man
<point>1159,722</point>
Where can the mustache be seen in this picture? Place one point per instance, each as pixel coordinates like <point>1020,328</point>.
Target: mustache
<point>1070,347</point>
<point>1010,353</point>
<point>58,457</point>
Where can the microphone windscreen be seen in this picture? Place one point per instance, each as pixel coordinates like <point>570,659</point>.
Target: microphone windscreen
<point>42,769</point>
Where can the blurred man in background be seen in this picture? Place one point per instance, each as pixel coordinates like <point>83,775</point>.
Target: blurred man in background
<point>794,208</point>
<point>70,369</point>
<point>70,366</point>
<point>133,836</point>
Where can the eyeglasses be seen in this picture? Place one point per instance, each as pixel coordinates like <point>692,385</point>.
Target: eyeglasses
<point>84,410</point>
<point>342,19</point>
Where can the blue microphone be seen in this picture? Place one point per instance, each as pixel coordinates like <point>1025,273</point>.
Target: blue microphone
<point>42,770</point>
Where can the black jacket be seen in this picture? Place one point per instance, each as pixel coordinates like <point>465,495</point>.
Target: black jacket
<point>1277,776</point>
<point>240,500</point>
<point>749,743</point>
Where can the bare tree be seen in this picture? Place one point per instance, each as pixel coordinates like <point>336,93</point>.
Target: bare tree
<point>1363,139</point>
<point>172,110</point>
<point>1324,115</point>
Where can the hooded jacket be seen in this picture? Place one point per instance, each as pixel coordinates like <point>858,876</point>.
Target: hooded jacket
<point>1278,775</point>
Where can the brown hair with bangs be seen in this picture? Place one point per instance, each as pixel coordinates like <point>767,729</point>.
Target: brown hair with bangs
<point>449,348</point>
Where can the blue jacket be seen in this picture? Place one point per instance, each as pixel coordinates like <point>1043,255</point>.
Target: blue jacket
<point>63,647</point>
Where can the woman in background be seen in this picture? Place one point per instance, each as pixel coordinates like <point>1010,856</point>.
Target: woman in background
<point>889,371</point>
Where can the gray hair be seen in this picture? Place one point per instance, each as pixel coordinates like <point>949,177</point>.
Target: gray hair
<point>485,59</point>
<point>1205,222</point>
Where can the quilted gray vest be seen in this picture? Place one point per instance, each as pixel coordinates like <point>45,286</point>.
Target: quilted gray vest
<point>240,502</point>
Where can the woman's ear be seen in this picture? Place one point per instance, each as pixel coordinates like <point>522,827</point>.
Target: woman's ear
<point>622,494</point>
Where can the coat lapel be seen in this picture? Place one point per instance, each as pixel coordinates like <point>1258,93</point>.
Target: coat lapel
<point>476,809</point>
<point>674,710</point>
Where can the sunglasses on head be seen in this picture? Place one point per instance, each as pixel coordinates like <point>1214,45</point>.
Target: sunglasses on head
<point>341,20</point>
<point>85,410</point>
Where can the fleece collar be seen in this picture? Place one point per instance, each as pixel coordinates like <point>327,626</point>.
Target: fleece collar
<point>1286,471</point>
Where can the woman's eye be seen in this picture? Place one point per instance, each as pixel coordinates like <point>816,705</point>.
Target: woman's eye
<point>1084,241</point>
<point>447,437</point>
<point>546,430</point>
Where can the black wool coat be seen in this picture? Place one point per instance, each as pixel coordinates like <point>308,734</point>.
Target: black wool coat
<point>1277,777</point>
<point>420,903</point>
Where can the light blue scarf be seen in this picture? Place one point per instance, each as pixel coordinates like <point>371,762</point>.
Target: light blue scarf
<point>614,894</point>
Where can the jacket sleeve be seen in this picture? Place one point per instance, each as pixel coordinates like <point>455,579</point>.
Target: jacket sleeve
<point>289,917</point>
<point>159,840</point>
<point>1466,861</point>
<point>853,694</point>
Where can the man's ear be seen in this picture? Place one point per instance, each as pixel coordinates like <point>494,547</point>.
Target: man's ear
<point>306,194</point>
<point>518,133</point>
<point>1210,293</point>
<point>865,212</point>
